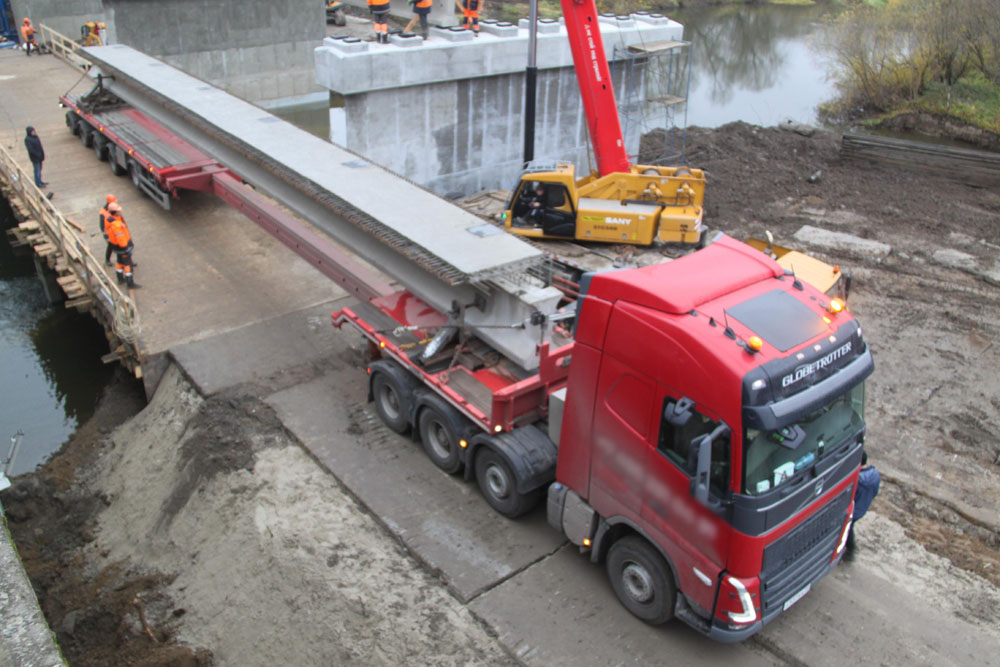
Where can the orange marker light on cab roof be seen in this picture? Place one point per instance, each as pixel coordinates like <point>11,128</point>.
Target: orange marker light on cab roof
<point>836,305</point>
<point>755,343</point>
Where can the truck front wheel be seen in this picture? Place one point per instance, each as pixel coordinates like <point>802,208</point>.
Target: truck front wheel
<point>392,402</point>
<point>641,580</point>
<point>499,486</point>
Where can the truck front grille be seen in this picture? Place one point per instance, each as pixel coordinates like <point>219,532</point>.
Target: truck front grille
<point>799,557</point>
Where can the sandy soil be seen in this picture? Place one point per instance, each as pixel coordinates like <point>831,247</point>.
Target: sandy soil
<point>199,532</point>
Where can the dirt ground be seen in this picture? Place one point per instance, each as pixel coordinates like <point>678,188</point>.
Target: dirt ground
<point>197,531</point>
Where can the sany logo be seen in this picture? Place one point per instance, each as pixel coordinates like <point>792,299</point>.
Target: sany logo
<point>806,370</point>
<point>616,221</point>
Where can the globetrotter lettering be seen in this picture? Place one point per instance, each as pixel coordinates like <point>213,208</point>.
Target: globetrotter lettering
<point>808,369</point>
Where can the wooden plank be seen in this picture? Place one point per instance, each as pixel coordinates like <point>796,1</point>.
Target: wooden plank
<point>66,280</point>
<point>951,161</point>
<point>46,249</point>
<point>29,225</point>
<point>79,303</point>
<point>76,225</point>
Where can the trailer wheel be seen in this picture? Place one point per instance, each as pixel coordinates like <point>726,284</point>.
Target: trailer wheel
<point>439,436</point>
<point>392,402</point>
<point>100,146</point>
<point>499,485</point>
<point>116,168</point>
<point>133,172</point>
<point>72,122</point>
<point>642,580</point>
<point>86,135</point>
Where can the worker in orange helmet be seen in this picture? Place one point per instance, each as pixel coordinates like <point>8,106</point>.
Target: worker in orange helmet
<point>28,35</point>
<point>380,14</point>
<point>470,12</point>
<point>103,221</point>
<point>121,239</point>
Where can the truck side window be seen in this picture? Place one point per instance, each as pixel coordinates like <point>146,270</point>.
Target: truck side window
<point>675,444</point>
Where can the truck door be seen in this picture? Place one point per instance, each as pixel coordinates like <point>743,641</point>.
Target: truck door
<point>695,538</point>
<point>623,415</point>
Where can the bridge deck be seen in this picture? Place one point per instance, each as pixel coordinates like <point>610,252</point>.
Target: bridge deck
<point>203,267</point>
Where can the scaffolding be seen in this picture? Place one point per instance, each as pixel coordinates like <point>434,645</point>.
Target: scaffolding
<point>653,81</point>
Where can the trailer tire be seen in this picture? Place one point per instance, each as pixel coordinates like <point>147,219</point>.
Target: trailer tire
<point>392,401</point>
<point>133,172</point>
<point>100,146</point>
<point>642,580</point>
<point>499,485</point>
<point>86,135</point>
<point>72,122</point>
<point>439,435</point>
<point>116,168</point>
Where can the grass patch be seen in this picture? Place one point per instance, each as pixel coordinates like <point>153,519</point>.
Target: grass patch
<point>973,100</point>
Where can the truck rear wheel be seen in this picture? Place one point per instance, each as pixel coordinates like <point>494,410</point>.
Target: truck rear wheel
<point>499,485</point>
<point>439,436</point>
<point>86,135</point>
<point>641,579</point>
<point>72,122</point>
<point>100,146</point>
<point>392,401</point>
<point>116,168</point>
<point>133,171</point>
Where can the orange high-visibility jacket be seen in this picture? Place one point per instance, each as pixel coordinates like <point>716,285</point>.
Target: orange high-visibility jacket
<point>117,232</point>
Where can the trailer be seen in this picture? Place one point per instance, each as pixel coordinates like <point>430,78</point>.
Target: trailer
<point>158,162</point>
<point>696,426</point>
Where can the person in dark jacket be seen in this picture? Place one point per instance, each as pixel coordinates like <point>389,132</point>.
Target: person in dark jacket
<point>864,494</point>
<point>36,154</point>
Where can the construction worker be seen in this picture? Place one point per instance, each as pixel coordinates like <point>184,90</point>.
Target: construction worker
<point>380,14</point>
<point>104,214</point>
<point>121,239</point>
<point>91,32</point>
<point>421,8</point>
<point>28,36</point>
<point>470,10</point>
<point>35,153</point>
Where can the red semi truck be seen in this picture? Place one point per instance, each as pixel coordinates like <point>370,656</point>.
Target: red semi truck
<point>700,434</point>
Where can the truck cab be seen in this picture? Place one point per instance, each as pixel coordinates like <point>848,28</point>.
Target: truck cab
<point>711,435</point>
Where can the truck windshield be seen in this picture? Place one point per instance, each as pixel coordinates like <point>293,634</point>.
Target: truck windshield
<point>773,457</point>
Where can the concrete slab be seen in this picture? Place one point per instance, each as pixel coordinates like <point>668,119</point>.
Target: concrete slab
<point>563,608</point>
<point>841,242</point>
<point>963,261</point>
<point>441,519</point>
<point>260,349</point>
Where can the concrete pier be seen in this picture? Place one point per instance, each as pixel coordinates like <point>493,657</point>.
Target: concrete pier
<point>447,112</point>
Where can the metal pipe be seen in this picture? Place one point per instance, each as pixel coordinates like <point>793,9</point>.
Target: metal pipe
<point>530,84</point>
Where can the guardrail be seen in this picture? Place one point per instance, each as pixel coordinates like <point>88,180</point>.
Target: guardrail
<point>63,47</point>
<point>89,271</point>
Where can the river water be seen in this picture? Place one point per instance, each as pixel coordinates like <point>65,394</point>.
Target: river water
<point>52,375</point>
<point>756,63</point>
<point>751,63</point>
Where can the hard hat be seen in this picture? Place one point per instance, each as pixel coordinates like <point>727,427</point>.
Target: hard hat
<point>114,206</point>
<point>27,20</point>
<point>111,198</point>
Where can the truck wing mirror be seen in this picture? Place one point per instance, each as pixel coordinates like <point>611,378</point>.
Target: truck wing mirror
<point>702,445</point>
<point>678,413</point>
